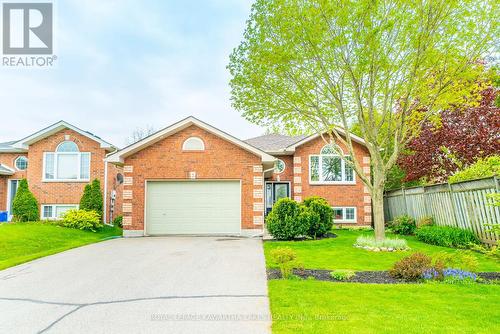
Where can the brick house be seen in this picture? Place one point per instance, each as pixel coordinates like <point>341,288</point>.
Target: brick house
<point>58,162</point>
<point>192,178</point>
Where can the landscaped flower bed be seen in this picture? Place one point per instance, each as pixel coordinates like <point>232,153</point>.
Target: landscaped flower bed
<point>377,277</point>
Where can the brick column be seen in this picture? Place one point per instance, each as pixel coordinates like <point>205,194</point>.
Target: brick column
<point>297,179</point>
<point>128,181</point>
<point>258,196</point>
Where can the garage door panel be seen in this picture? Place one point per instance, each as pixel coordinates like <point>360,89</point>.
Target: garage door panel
<point>193,207</point>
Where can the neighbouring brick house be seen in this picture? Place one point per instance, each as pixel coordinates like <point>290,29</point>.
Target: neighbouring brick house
<point>58,162</point>
<point>192,178</point>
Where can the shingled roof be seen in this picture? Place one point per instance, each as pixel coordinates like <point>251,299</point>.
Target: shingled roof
<point>274,142</point>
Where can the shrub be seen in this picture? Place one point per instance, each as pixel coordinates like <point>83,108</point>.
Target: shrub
<point>323,225</point>
<point>118,221</point>
<point>446,236</point>
<point>342,274</point>
<point>92,198</point>
<point>493,251</point>
<point>285,259</point>
<point>309,219</point>
<point>425,221</point>
<point>458,276</point>
<point>25,205</point>
<point>283,223</point>
<point>371,242</point>
<point>404,225</point>
<point>411,267</point>
<point>463,260</point>
<point>82,220</point>
<point>481,168</point>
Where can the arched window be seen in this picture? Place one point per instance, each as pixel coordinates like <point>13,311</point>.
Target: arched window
<point>329,167</point>
<point>193,144</point>
<point>67,146</point>
<point>330,149</point>
<point>21,163</point>
<point>66,164</point>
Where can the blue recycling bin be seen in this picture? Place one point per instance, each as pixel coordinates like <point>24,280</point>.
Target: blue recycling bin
<point>4,216</point>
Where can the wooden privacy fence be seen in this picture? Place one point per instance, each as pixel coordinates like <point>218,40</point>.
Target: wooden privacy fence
<point>464,204</point>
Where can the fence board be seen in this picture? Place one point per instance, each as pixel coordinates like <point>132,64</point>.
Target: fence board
<point>463,205</point>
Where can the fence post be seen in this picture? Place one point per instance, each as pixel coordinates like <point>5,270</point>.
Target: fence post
<point>425,202</point>
<point>404,199</point>
<point>453,207</point>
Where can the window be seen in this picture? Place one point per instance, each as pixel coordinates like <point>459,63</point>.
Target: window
<point>279,166</point>
<point>344,215</point>
<point>193,144</point>
<point>329,167</point>
<point>66,164</point>
<point>21,163</point>
<point>55,211</point>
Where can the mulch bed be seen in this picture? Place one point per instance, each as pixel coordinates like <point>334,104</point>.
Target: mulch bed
<point>374,277</point>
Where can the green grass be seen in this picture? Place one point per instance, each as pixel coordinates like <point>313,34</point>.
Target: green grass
<point>369,308</point>
<point>22,242</point>
<point>339,253</point>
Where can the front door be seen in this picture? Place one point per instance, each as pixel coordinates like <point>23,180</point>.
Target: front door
<point>274,192</point>
<point>12,190</point>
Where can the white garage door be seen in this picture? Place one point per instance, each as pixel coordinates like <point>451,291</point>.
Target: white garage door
<point>193,207</point>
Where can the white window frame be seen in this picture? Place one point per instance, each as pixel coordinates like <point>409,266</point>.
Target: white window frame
<point>342,168</point>
<point>56,154</point>
<point>20,157</point>
<point>343,220</point>
<point>54,206</point>
<point>198,140</point>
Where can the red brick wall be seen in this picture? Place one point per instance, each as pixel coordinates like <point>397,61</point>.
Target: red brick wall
<point>337,195</point>
<point>59,192</point>
<point>7,159</point>
<point>166,160</point>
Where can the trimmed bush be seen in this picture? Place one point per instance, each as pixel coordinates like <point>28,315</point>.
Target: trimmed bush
<point>82,220</point>
<point>309,219</point>
<point>342,274</point>
<point>371,243</point>
<point>285,259</point>
<point>446,236</point>
<point>411,267</point>
<point>404,225</point>
<point>25,205</point>
<point>92,199</point>
<point>320,206</point>
<point>118,221</point>
<point>283,221</point>
<point>425,221</point>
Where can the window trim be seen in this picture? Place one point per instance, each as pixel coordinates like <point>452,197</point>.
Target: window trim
<point>342,167</point>
<point>343,220</point>
<point>78,179</point>
<point>198,139</point>
<point>19,157</point>
<point>74,206</point>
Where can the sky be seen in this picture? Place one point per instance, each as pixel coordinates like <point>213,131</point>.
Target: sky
<point>123,65</point>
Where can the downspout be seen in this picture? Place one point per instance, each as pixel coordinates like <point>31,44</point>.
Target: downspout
<point>105,204</point>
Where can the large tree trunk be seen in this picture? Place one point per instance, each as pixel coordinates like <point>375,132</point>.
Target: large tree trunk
<point>378,213</point>
<point>378,203</point>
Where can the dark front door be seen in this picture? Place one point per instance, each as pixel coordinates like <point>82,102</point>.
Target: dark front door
<point>274,192</point>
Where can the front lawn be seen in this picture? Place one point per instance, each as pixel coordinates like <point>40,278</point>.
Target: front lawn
<point>325,307</point>
<point>22,242</point>
<point>339,253</point>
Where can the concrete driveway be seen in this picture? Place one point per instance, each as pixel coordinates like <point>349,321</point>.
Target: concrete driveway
<point>143,285</point>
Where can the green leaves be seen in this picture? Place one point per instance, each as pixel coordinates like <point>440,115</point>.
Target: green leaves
<point>25,205</point>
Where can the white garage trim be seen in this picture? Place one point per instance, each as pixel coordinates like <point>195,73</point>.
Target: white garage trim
<point>146,218</point>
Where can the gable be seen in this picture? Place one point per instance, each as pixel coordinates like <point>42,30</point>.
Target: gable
<point>119,156</point>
